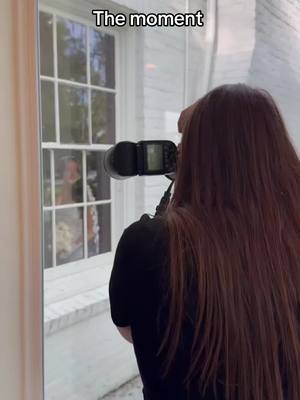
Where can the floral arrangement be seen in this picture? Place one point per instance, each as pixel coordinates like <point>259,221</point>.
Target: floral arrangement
<point>63,238</point>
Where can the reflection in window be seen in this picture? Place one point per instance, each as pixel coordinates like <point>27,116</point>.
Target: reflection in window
<point>69,235</point>
<point>68,177</point>
<point>73,114</point>
<point>46,178</point>
<point>100,229</point>
<point>71,50</point>
<point>47,235</point>
<point>77,108</point>
<point>98,182</point>
<point>46,40</point>
<point>48,113</point>
<point>102,59</point>
<point>103,117</point>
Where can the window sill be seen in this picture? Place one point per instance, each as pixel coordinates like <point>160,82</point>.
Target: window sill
<point>69,299</point>
<point>59,287</point>
<point>64,313</point>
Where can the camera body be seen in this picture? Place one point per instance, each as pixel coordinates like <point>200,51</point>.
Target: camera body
<point>146,157</point>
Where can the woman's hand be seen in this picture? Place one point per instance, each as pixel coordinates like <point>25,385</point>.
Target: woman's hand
<point>126,333</point>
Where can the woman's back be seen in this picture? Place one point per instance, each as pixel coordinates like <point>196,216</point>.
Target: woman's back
<point>232,281</point>
<point>142,256</point>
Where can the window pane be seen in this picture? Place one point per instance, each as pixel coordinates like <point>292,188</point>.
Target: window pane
<point>69,235</point>
<point>47,248</point>
<point>68,177</point>
<point>47,177</point>
<point>71,50</point>
<point>99,229</point>
<point>103,117</point>
<point>73,114</point>
<point>48,113</point>
<point>102,59</point>
<point>46,44</point>
<point>98,182</point>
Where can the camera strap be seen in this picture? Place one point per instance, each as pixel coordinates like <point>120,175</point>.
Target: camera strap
<point>160,209</point>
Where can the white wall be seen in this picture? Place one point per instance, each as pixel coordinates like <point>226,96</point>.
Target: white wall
<point>275,61</point>
<point>165,87</point>
<point>235,41</point>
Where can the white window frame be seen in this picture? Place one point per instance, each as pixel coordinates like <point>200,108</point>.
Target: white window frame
<point>122,202</point>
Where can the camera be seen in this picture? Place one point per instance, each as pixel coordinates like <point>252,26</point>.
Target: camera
<point>146,157</point>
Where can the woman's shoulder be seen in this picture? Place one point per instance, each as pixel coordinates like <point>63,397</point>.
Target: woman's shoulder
<point>145,234</point>
<point>146,226</point>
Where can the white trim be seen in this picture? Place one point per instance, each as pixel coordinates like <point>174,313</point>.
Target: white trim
<point>79,14</point>
<point>88,69</point>
<point>53,215</point>
<point>85,230</point>
<point>74,267</point>
<point>117,200</point>
<point>77,84</point>
<point>88,55</point>
<point>186,58</point>
<point>74,205</point>
<point>72,146</point>
<point>116,221</point>
<point>56,92</point>
<point>210,44</point>
<point>128,116</point>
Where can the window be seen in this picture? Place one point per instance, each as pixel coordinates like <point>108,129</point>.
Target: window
<point>78,113</point>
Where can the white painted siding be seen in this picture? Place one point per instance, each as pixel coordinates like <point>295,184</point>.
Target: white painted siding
<point>259,43</point>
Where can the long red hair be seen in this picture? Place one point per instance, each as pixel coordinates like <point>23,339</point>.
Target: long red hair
<point>234,228</point>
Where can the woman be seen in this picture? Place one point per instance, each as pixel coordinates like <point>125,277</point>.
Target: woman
<point>69,221</point>
<point>210,292</point>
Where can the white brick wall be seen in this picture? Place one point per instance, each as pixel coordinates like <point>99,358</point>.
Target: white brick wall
<point>235,41</point>
<point>164,86</point>
<point>276,58</point>
<point>259,43</point>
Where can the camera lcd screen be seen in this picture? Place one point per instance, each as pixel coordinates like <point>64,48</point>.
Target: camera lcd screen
<point>154,157</point>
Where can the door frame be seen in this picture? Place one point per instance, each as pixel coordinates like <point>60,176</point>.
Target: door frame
<point>25,72</point>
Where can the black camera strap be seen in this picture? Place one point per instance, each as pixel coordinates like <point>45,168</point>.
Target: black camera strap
<point>162,204</point>
<point>164,201</point>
